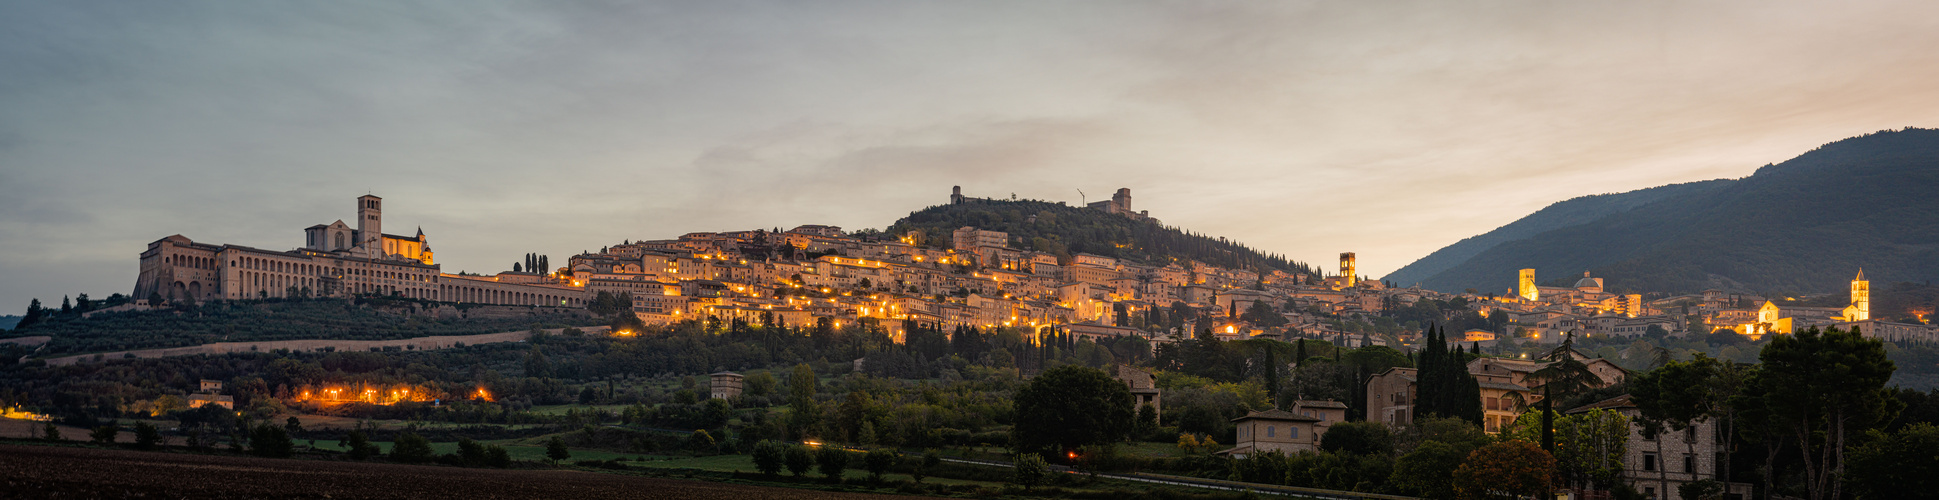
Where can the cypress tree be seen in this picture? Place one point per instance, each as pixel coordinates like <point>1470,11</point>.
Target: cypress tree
<point>1299,354</point>
<point>1272,375</point>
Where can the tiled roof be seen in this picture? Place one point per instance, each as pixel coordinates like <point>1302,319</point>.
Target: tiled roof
<point>1276,414</point>
<point>1622,401</point>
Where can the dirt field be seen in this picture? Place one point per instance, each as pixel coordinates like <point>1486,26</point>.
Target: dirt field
<point>55,472</point>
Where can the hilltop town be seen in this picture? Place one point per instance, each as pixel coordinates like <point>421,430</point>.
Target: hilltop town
<point>1252,362</point>
<point>973,277</point>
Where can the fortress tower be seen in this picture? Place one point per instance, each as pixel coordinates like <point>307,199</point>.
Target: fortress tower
<point>1346,268</point>
<point>1861,299</point>
<point>955,195</point>
<point>1525,285</point>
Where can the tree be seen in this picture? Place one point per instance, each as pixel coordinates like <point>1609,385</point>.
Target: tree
<point>799,459</point>
<point>1030,470</point>
<point>803,412</point>
<point>34,311</point>
<point>555,450</point>
<point>1822,387</point>
<point>1069,407</point>
<point>1147,422</point>
<point>1508,469</point>
<point>1897,464</point>
<point>1589,446</point>
<point>470,453</point>
<point>1681,394</point>
<point>497,456</point>
<point>769,456</point>
<point>1428,471</point>
<point>105,434</point>
<point>411,448</point>
<point>830,461</point>
<point>147,436</point>
<point>930,459</point>
<point>270,441</point>
<point>360,447</point>
<point>536,364</point>
<point>50,433</point>
<point>1364,438</point>
<point>877,462</point>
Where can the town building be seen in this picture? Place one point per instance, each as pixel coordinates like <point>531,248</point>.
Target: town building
<point>1656,465</point>
<point>724,385</point>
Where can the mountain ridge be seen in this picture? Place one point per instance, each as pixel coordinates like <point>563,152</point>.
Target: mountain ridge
<point>1804,225</point>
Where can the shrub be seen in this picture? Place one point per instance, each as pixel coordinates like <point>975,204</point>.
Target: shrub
<point>496,456</point>
<point>360,447</point>
<point>147,436</point>
<point>769,457</point>
<point>831,461</point>
<point>270,441</point>
<point>1030,470</point>
<point>411,448</point>
<point>104,434</point>
<point>799,459</point>
<point>878,462</point>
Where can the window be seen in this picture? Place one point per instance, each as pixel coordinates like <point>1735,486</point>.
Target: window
<point>1649,461</point>
<point>1690,464</point>
<point>1292,432</point>
<point>1271,431</point>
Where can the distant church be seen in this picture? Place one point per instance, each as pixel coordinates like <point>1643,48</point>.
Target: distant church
<point>368,239</point>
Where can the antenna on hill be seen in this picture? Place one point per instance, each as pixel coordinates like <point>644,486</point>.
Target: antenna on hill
<point>1081,200</point>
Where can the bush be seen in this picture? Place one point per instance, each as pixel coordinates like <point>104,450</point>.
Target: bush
<point>496,456</point>
<point>930,459</point>
<point>104,434</point>
<point>147,436</point>
<point>1363,438</point>
<point>769,457</point>
<point>411,448</point>
<point>831,461</point>
<point>799,460</point>
<point>360,447</point>
<point>878,462</point>
<point>1030,470</point>
<point>270,441</point>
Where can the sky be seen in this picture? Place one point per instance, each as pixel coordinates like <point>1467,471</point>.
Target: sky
<point>1389,129</point>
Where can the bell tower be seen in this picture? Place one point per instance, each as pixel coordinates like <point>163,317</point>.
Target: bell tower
<point>1525,286</point>
<point>1346,268</point>
<point>370,224</point>
<point>1861,298</point>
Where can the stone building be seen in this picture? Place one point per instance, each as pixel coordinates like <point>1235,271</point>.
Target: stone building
<point>1283,431</point>
<point>724,385</point>
<point>1144,390</point>
<point>1657,465</point>
<point>335,261</point>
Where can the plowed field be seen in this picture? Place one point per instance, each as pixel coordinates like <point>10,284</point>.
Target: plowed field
<point>56,472</point>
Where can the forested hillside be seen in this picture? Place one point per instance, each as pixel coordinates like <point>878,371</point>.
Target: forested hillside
<point>1064,230</point>
<point>1805,225</point>
<point>278,319</point>
<point>1561,214</point>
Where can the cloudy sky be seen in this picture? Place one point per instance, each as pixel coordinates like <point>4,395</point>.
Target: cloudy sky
<point>1306,128</point>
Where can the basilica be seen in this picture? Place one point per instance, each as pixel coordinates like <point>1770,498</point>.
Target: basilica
<point>335,260</point>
